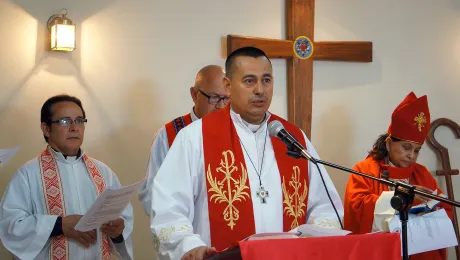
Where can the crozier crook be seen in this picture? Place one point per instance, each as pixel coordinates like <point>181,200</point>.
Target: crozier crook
<point>446,171</point>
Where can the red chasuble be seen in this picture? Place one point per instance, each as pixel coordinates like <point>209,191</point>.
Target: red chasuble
<point>362,194</point>
<point>229,195</point>
<point>173,127</point>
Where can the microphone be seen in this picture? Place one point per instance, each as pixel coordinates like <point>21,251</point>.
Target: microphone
<point>276,129</point>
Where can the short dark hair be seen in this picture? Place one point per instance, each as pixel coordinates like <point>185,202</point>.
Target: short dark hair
<point>46,112</point>
<point>242,52</point>
<point>379,150</point>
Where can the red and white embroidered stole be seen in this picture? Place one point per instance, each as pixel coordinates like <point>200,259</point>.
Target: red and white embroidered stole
<point>55,204</point>
<point>173,127</point>
<point>230,206</point>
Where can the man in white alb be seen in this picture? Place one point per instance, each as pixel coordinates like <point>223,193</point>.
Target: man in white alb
<point>225,178</point>
<point>208,94</point>
<point>48,195</point>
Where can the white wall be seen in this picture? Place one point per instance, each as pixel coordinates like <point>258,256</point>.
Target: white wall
<point>136,60</point>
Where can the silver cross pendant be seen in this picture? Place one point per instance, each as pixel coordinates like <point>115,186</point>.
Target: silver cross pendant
<point>262,194</point>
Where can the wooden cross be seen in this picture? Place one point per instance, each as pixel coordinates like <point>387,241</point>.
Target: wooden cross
<point>300,22</point>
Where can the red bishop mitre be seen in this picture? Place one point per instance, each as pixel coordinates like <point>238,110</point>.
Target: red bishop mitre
<point>410,120</point>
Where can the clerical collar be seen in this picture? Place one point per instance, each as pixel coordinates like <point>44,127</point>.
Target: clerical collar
<point>66,157</point>
<point>251,127</point>
<point>193,115</point>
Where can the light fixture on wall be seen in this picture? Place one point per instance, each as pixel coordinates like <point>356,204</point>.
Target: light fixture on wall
<point>62,32</point>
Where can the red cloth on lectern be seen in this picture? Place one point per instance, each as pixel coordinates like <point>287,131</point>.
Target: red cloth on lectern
<point>378,246</point>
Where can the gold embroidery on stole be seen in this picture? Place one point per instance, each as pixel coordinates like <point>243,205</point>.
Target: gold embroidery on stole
<point>229,189</point>
<point>295,202</point>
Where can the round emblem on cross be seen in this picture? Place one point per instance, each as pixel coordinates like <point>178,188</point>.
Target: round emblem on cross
<point>303,47</point>
<point>262,194</point>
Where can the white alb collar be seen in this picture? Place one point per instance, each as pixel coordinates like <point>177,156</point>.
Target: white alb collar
<point>253,128</point>
<point>193,115</point>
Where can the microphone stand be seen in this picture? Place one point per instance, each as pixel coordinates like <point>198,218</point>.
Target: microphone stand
<point>402,199</point>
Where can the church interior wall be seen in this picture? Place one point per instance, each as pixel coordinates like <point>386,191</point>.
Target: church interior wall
<point>136,60</point>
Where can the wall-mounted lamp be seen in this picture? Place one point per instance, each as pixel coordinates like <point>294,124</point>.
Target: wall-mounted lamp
<point>62,32</point>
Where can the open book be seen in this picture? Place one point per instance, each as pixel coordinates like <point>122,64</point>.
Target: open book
<point>306,230</point>
<point>302,231</point>
<point>425,207</point>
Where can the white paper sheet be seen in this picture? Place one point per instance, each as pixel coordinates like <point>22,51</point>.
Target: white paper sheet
<point>7,154</point>
<point>108,206</point>
<point>428,232</point>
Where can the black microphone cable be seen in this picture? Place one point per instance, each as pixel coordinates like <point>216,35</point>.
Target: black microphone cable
<point>328,195</point>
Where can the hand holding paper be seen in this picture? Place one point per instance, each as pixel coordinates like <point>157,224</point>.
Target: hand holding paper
<point>114,228</point>
<point>84,238</point>
<point>108,207</point>
<point>421,198</point>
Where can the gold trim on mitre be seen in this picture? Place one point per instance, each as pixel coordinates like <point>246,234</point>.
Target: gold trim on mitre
<point>402,139</point>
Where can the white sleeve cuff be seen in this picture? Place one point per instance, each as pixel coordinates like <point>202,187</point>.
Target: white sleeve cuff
<point>383,212</point>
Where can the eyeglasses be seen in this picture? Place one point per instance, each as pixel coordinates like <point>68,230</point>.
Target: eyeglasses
<point>213,100</point>
<point>79,121</point>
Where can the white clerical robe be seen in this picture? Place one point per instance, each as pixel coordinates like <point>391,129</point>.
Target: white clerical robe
<point>158,151</point>
<point>25,227</point>
<point>180,217</point>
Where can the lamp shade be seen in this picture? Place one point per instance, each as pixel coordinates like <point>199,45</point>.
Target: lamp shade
<point>62,33</point>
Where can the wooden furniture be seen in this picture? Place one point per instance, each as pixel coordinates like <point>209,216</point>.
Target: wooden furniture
<point>446,170</point>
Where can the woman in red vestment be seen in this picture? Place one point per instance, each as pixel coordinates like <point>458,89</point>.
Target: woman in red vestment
<point>394,156</point>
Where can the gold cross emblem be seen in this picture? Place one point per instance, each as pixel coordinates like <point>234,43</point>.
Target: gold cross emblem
<point>420,121</point>
<point>229,189</point>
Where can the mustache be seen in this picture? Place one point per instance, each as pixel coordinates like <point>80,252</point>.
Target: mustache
<point>258,98</point>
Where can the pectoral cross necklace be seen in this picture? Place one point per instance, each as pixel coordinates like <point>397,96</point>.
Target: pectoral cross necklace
<point>261,193</point>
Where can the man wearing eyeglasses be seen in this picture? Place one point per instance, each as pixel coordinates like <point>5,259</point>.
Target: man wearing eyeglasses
<point>208,94</point>
<point>226,178</point>
<point>48,195</point>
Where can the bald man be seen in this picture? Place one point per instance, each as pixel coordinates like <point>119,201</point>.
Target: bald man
<point>208,94</point>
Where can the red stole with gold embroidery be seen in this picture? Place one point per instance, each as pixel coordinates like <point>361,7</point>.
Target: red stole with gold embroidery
<point>230,206</point>
<point>54,199</point>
